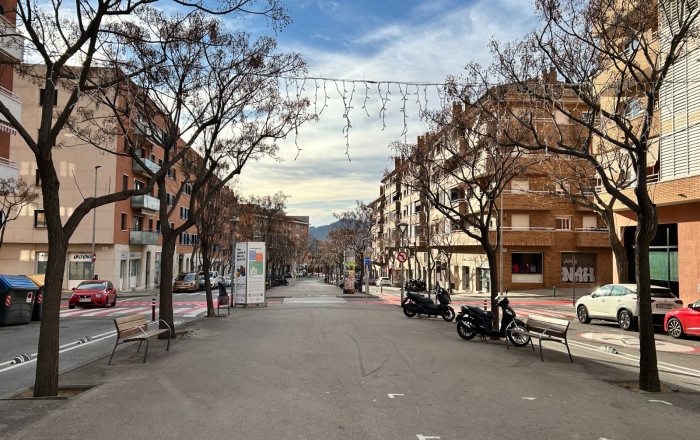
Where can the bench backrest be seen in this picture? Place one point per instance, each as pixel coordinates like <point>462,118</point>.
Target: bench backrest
<point>554,327</point>
<point>129,325</point>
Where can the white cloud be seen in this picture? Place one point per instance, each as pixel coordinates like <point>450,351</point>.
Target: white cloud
<point>322,180</point>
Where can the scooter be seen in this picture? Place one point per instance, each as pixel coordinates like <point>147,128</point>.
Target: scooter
<point>414,304</point>
<point>472,321</point>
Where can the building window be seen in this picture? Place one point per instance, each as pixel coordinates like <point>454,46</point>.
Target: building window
<point>563,223</point>
<point>158,226</point>
<point>40,218</point>
<point>37,180</point>
<point>631,108</point>
<point>123,221</point>
<point>125,182</point>
<point>171,173</point>
<point>188,189</point>
<point>184,213</point>
<point>169,198</point>
<point>42,92</point>
<point>138,184</point>
<point>138,223</point>
<point>520,186</point>
<point>520,221</point>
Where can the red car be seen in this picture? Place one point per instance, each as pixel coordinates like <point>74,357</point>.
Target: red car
<point>685,321</point>
<point>100,293</point>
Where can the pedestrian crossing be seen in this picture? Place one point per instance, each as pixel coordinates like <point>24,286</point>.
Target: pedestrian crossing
<point>186,310</point>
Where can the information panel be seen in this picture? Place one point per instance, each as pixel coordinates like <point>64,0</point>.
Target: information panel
<point>250,273</point>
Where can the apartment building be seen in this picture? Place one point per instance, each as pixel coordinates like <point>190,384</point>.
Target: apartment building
<point>673,167</point>
<point>126,234</point>
<point>547,242</point>
<point>10,53</point>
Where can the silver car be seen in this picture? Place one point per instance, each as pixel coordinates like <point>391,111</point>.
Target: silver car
<point>618,303</point>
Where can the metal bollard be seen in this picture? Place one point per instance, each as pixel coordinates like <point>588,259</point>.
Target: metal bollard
<point>485,307</point>
<point>554,291</point>
<point>153,310</point>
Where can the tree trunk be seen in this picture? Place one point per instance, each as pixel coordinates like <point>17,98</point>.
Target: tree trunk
<point>166,285</point>
<point>646,229</point>
<point>618,249</point>
<point>206,265</point>
<point>46,379</point>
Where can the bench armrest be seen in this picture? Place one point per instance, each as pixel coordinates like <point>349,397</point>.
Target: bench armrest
<point>170,331</point>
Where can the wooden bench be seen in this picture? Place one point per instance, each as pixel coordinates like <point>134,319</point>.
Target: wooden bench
<point>547,329</point>
<point>135,328</point>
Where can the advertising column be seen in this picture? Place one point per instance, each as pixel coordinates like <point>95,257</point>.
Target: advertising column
<point>250,273</point>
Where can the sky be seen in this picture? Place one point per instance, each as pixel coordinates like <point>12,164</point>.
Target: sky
<point>391,41</point>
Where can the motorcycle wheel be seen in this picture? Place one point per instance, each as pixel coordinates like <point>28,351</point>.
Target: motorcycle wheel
<point>409,310</point>
<point>448,314</point>
<point>464,331</point>
<point>518,339</point>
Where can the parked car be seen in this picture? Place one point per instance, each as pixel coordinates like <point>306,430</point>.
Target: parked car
<point>186,282</point>
<point>101,293</point>
<point>618,302</point>
<point>227,280</point>
<point>383,281</point>
<point>685,321</point>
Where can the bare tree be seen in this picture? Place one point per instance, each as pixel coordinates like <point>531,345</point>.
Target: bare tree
<point>353,230</point>
<point>112,43</point>
<point>616,57</point>
<point>15,195</point>
<point>461,171</point>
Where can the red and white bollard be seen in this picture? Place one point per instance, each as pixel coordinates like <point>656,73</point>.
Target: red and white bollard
<point>153,310</point>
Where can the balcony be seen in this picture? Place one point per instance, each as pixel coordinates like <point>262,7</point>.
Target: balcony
<point>147,204</point>
<point>143,237</point>
<point>12,102</point>
<point>8,169</point>
<point>11,44</point>
<point>532,236</point>
<point>592,237</point>
<point>138,169</point>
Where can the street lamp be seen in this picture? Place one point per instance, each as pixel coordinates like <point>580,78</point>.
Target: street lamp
<point>402,228</point>
<point>94,222</point>
<point>233,221</point>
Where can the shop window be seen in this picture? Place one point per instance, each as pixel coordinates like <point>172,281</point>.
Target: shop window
<point>525,263</point>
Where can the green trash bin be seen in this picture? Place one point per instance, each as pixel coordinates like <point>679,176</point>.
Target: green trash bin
<point>17,295</point>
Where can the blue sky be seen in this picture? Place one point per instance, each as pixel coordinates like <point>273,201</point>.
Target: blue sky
<point>380,40</point>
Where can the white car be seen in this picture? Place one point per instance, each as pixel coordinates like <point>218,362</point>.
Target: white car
<point>383,281</point>
<point>618,302</point>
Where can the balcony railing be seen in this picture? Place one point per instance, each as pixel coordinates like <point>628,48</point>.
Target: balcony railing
<point>12,102</point>
<point>152,166</point>
<point>8,169</point>
<point>11,44</point>
<point>146,203</point>
<point>143,237</point>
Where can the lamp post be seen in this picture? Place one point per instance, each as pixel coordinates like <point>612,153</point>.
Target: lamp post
<point>233,222</point>
<point>402,228</point>
<point>94,222</point>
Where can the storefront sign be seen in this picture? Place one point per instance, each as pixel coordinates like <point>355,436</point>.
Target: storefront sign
<point>81,257</point>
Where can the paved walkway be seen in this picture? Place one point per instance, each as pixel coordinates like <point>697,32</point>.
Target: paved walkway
<point>136,400</point>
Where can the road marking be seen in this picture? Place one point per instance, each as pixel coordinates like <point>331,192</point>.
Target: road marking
<point>391,396</point>
<point>632,341</point>
<point>661,401</point>
<point>529,398</point>
<point>426,437</point>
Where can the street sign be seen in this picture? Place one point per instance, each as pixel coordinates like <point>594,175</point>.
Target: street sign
<point>94,257</point>
<point>366,261</point>
<point>402,257</point>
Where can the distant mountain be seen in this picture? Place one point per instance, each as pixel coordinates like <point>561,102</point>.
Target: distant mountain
<point>321,232</point>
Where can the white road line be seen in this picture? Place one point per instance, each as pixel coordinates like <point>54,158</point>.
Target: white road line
<point>195,312</point>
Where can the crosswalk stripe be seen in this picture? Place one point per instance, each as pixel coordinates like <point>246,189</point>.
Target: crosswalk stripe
<point>195,311</point>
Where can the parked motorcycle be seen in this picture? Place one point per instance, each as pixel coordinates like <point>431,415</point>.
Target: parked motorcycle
<point>472,321</point>
<point>414,303</point>
<point>415,286</point>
